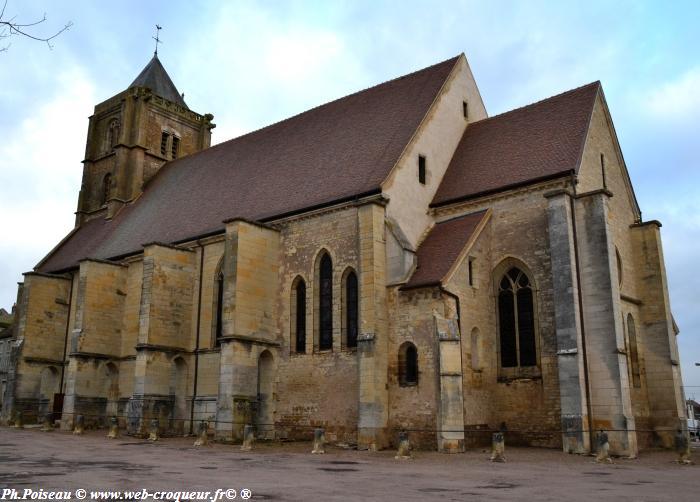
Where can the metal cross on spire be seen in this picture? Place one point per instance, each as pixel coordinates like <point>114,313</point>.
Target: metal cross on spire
<point>157,39</point>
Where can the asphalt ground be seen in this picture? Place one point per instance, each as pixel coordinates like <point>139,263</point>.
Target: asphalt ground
<point>35,460</point>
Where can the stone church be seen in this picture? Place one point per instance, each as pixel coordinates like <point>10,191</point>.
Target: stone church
<point>392,260</point>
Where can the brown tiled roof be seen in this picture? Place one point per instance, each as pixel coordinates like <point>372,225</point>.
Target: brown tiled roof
<point>441,248</point>
<point>521,146</point>
<point>336,151</point>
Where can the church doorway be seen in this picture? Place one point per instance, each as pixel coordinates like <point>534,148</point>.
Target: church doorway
<point>265,421</point>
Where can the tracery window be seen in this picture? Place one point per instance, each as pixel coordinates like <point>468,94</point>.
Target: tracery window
<point>325,303</point>
<point>516,320</point>
<point>408,364</point>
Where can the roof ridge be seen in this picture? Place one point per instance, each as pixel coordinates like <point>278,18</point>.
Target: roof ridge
<point>535,103</point>
<point>413,73</point>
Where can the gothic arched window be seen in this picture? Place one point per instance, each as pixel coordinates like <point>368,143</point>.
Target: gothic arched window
<point>298,317</point>
<point>325,303</point>
<point>634,352</point>
<point>219,307</point>
<point>408,364</point>
<point>516,320</point>
<point>351,309</point>
<point>106,185</point>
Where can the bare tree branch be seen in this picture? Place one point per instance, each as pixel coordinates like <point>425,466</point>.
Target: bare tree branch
<point>10,27</point>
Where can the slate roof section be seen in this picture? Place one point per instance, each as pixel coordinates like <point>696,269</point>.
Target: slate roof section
<point>536,142</point>
<point>157,79</point>
<point>441,248</point>
<point>337,151</point>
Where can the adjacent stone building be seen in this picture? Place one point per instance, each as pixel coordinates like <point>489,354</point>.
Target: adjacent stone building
<point>7,339</point>
<point>395,259</point>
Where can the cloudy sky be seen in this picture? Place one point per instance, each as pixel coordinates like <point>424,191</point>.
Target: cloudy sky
<point>253,63</point>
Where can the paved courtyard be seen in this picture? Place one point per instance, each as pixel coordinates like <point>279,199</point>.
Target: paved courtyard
<point>30,459</point>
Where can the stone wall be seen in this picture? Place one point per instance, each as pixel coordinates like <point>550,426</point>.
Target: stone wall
<point>525,401</point>
<point>317,388</point>
<point>414,408</point>
<point>38,353</point>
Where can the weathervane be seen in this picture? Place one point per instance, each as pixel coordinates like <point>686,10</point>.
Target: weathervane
<point>157,39</point>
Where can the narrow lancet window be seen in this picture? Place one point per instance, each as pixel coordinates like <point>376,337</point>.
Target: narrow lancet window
<point>351,309</point>
<point>219,326</point>
<point>325,307</point>
<point>106,186</point>
<point>298,323</point>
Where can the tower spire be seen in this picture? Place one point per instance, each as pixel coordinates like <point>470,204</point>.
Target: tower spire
<point>157,39</point>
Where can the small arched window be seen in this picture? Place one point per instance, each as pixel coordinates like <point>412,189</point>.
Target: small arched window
<point>516,320</point>
<point>106,186</point>
<point>298,317</point>
<point>219,307</point>
<point>113,134</point>
<point>351,309</point>
<point>634,352</point>
<point>408,364</point>
<point>325,303</point>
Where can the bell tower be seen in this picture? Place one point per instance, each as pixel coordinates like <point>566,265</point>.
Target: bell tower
<point>131,136</point>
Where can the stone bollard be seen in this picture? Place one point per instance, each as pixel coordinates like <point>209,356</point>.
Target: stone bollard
<point>248,438</point>
<point>47,423</point>
<point>682,447</point>
<point>319,441</point>
<point>113,428</point>
<point>203,439</point>
<point>18,422</point>
<point>153,431</point>
<point>79,425</point>
<point>498,447</point>
<point>603,454</point>
<point>404,451</point>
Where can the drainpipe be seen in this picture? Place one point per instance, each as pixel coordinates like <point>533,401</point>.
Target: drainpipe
<point>196,343</point>
<point>65,338</point>
<point>580,309</point>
